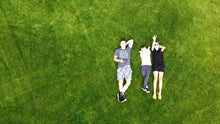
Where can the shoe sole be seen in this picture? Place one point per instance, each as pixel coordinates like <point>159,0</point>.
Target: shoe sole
<point>118,97</point>
<point>123,100</point>
<point>147,91</point>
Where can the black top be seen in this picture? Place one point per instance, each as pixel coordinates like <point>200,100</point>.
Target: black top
<point>157,58</point>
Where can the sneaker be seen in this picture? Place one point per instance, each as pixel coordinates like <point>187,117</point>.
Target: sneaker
<point>144,89</point>
<point>147,90</point>
<point>123,99</point>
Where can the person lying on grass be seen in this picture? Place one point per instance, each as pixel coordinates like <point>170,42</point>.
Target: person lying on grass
<point>158,66</point>
<point>122,56</point>
<point>145,66</point>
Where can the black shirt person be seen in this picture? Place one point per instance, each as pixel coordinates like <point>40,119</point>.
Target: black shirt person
<point>158,66</point>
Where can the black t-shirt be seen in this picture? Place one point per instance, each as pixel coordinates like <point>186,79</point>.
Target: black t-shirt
<point>157,58</point>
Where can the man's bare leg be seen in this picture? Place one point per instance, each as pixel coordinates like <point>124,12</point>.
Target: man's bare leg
<point>128,82</point>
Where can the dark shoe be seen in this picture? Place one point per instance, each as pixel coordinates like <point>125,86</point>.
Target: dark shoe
<point>147,90</point>
<point>144,89</point>
<point>123,99</point>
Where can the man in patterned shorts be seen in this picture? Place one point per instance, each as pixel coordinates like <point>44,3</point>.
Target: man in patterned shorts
<point>122,56</point>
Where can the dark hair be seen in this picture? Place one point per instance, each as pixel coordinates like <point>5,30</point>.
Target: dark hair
<point>142,47</point>
<point>122,40</point>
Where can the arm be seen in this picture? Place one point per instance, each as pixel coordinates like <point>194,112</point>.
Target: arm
<point>141,53</point>
<point>130,43</point>
<point>118,60</point>
<point>154,40</point>
<point>162,48</point>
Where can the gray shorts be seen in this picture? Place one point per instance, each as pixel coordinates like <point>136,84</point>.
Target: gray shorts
<point>124,72</point>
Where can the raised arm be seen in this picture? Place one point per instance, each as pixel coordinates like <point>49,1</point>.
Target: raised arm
<point>153,44</point>
<point>130,43</point>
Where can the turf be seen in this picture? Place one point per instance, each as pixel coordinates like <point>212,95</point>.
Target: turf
<point>56,61</point>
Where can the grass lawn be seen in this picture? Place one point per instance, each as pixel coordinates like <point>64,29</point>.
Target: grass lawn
<point>56,61</point>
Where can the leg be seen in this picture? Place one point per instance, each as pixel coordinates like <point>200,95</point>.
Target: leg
<point>147,75</point>
<point>160,83</point>
<point>143,72</point>
<point>128,82</point>
<point>155,83</point>
<point>120,85</point>
<point>128,76</point>
<point>120,77</point>
<point>121,97</point>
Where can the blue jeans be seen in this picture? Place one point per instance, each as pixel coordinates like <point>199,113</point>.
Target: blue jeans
<point>145,70</point>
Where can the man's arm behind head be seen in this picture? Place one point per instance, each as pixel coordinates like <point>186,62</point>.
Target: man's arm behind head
<point>130,43</point>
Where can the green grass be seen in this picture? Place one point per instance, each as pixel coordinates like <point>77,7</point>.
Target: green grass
<point>56,61</point>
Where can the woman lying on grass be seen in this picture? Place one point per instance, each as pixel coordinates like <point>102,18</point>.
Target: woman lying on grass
<point>158,66</point>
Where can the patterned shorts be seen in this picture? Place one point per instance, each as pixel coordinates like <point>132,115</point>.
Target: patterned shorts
<point>124,72</point>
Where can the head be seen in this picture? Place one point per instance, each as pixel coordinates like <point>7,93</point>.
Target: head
<point>157,45</point>
<point>123,44</point>
<point>143,48</point>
